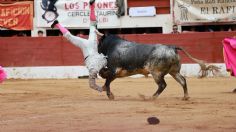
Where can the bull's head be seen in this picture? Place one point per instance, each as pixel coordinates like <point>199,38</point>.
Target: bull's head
<point>108,42</point>
<point>101,45</point>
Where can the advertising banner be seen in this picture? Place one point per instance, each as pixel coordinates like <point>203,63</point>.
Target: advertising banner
<point>142,11</point>
<point>201,11</point>
<point>75,13</point>
<point>17,16</point>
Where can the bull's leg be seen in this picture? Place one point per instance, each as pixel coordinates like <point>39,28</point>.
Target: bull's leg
<point>182,81</point>
<point>109,74</point>
<point>105,73</point>
<point>107,85</point>
<point>159,79</point>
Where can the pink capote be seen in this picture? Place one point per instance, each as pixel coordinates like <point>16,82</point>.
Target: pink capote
<point>92,12</point>
<point>61,28</point>
<point>229,48</point>
<point>3,75</point>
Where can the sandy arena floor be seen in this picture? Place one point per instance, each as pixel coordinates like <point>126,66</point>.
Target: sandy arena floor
<point>71,106</point>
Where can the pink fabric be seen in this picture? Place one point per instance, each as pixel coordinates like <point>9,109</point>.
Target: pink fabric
<point>229,45</point>
<point>61,28</point>
<point>3,75</point>
<point>92,12</point>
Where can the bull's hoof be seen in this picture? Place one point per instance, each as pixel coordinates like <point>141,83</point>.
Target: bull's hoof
<point>154,97</point>
<point>111,96</point>
<point>186,98</point>
<point>234,91</point>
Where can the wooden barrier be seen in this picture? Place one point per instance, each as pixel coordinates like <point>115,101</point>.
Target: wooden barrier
<point>57,51</point>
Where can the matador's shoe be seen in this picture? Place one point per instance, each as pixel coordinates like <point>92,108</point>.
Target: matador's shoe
<point>54,23</point>
<point>91,2</point>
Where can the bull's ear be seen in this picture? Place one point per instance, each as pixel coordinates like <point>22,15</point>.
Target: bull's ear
<point>99,33</point>
<point>102,37</point>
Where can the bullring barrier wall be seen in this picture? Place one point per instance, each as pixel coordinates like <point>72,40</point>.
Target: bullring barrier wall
<point>55,57</point>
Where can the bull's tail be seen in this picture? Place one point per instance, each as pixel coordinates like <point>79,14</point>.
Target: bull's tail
<point>204,67</point>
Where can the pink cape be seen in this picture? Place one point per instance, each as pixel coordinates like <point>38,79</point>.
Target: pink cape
<point>229,48</point>
<point>3,75</point>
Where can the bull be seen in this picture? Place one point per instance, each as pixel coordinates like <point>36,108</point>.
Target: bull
<point>127,58</point>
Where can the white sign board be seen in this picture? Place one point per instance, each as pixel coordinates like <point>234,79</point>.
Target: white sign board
<point>75,13</point>
<point>142,11</point>
<point>193,11</point>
